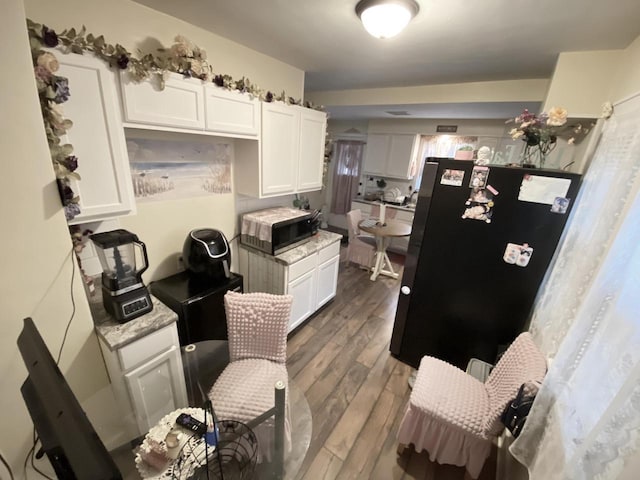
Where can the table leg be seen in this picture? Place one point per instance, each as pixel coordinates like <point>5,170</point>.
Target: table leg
<point>383,264</point>
<point>381,254</point>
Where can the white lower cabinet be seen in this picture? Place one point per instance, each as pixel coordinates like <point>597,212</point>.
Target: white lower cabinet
<point>327,280</point>
<point>147,378</point>
<point>303,290</point>
<point>312,280</point>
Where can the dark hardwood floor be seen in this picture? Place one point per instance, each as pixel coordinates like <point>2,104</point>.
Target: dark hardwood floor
<point>357,391</point>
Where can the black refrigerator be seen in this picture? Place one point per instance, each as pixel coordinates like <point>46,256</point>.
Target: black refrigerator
<point>482,240</point>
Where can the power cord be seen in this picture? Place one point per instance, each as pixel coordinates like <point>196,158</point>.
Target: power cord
<point>31,451</point>
<point>6,465</point>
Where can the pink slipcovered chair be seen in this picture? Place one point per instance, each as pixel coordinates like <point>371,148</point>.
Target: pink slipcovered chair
<point>455,417</point>
<point>257,331</point>
<point>362,247</point>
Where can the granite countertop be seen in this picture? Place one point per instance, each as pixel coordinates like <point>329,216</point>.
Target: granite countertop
<point>317,242</point>
<point>388,205</point>
<point>116,335</point>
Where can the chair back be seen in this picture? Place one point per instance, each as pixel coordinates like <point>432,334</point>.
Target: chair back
<point>522,362</point>
<point>257,325</point>
<point>354,217</point>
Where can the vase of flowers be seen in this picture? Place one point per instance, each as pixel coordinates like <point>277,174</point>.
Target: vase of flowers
<point>540,134</point>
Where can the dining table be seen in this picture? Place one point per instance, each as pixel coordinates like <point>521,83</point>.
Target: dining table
<point>383,233</point>
<point>203,362</point>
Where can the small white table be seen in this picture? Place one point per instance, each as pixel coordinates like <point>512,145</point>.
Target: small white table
<point>383,234</point>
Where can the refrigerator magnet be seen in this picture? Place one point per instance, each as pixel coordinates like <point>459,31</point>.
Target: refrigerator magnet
<point>479,195</point>
<point>452,177</point>
<point>525,255</point>
<point>511,253</point>
<point>519,255</point>
<point>479,176</point>
<point>479,211</point>
<point>560,205</point>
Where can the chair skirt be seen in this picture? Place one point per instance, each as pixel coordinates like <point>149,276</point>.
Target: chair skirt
<point>445,416</point>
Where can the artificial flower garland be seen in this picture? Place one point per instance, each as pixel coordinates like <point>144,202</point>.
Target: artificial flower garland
<point>183,57</point>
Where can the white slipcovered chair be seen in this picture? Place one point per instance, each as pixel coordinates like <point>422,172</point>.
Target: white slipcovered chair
<point>362,247</point>
<point>455,417</point>
<point>257,331</point>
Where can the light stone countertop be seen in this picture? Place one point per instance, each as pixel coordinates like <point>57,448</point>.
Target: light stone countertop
<point>116,335</point>
<point>319,241</point>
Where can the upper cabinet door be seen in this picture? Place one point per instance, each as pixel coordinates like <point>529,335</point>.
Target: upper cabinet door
<point>402,155</point>
<point>231,112</point>
<point>280,143</point>
<point>391,155</point>
<point>313,127</point>
<point>98,139</point>
<point>179,105</point>
<point>377,152</point>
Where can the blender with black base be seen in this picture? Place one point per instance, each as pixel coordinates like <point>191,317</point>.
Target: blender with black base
<point>124,295</point>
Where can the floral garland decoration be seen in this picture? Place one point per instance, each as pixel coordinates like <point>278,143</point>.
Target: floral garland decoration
<point>183,57</point>
<point>541,132</point>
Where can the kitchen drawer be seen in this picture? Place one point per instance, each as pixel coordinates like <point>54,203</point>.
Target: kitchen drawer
<point>303,266</point>
<point>327,253</point>
<point>139,351</point>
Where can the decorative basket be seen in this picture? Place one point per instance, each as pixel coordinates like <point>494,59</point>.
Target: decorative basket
<point>233,459</point>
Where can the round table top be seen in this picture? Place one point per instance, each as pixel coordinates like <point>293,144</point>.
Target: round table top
<point>389,229</point>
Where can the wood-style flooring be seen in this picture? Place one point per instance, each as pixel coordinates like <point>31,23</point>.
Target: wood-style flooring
<point>356,390</point>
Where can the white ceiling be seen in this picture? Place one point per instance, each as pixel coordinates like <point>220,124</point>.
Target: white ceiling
<point>450,41</point>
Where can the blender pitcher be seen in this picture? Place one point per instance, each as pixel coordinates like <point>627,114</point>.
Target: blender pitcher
<point>124,295</point>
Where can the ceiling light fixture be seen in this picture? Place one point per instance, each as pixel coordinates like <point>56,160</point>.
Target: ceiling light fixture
<point>386,18</point>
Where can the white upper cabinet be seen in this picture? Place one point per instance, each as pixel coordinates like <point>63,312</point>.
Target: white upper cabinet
<point>180,104</point>
<point>231,112</point>
<point>377,153</point>
<point>313,125</point>
<point>189,104</point>
<point>97,136</point>
<point>280,146</point>
<point>290,154</point>
<point>392,155</point>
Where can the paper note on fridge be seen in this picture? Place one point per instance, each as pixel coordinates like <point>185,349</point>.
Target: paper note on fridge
<point>538,189</point>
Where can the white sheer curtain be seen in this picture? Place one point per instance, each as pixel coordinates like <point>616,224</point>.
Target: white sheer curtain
<point>445,145</point>
<point>585,422</point>
<point>346,174</point>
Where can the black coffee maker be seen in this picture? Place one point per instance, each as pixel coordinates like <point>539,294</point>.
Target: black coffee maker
<point>123,294</point>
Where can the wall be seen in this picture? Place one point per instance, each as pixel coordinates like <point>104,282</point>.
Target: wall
<point>36,274</point>
<point>164,225</point>
<point>581,82</point>
<point>623,82</point>
<point>627,81</point>
<point>501,91</point>
<point>36,262</point>
<point>137,26</point>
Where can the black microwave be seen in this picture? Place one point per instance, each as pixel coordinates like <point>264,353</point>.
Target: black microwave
<point>276,230</point>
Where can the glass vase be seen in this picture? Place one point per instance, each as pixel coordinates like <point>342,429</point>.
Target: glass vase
<point>533,156</point>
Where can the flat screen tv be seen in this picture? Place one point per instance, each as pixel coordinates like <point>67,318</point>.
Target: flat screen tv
<point>68,438</point>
